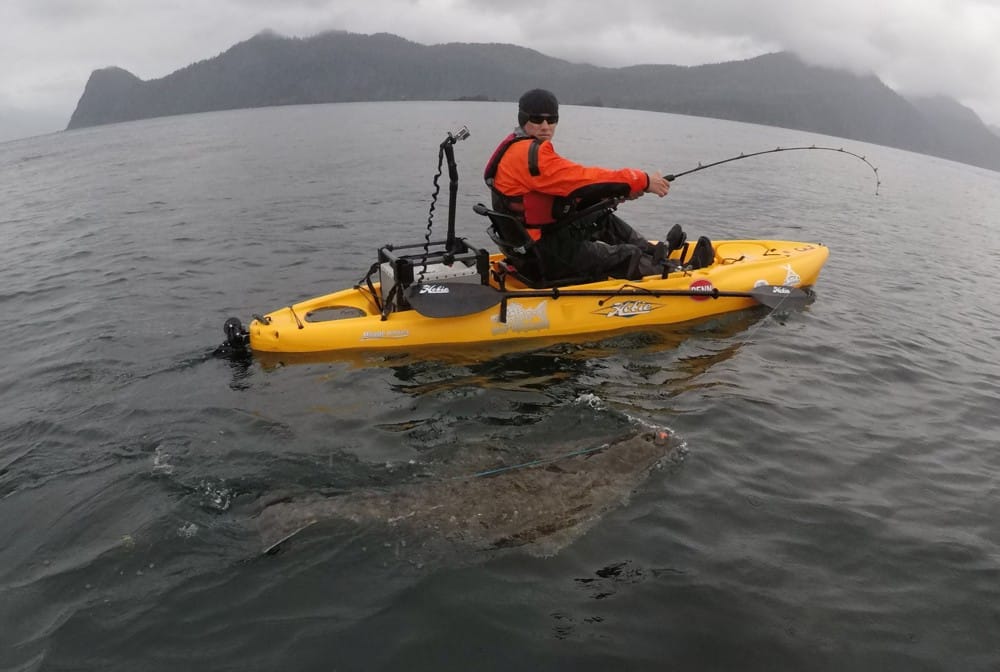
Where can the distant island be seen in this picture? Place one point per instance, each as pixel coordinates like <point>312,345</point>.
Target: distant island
<point>775,89</point>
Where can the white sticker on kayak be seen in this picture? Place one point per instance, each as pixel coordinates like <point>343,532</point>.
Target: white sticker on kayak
<point>389,333</point>
<point>520,318</point>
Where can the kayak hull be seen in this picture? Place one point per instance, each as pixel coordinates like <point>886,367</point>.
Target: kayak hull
<point>353,319</point>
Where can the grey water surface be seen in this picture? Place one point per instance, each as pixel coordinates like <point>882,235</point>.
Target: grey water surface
<point>828,499</point>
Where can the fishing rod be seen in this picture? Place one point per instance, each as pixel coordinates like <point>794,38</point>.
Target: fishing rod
<point>878,182</point>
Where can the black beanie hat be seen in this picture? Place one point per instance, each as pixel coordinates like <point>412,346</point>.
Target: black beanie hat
<point>536,101</point>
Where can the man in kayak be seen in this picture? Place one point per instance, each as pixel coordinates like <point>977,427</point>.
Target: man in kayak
<point>530,181</point>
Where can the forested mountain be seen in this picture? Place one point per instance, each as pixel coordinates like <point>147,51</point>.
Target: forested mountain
<point>774,89</point>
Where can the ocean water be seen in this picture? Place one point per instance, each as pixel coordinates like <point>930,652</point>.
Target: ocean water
<point>827,500</point>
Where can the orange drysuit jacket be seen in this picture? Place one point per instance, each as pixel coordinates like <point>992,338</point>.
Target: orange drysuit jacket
<point>540,185</point>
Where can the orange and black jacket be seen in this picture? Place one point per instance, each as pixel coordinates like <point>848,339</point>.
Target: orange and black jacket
<point>531,181</point>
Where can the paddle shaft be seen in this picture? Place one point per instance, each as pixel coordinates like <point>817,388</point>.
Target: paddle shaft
<point>771,296</point>
<point>458,299</point>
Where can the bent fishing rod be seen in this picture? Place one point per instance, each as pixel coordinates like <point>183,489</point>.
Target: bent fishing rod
<point>674,176</point>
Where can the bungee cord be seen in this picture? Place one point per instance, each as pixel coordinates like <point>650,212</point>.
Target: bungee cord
<point>430,212</point>
<point>445,150</point>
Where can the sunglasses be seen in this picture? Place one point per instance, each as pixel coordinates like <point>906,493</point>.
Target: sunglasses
<point>539,118</point>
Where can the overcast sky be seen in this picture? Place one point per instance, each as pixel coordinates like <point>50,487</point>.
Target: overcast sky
<point>48,48</point>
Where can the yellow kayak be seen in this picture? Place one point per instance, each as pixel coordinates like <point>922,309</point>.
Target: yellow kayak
<point>455,305</point>
<point>449,293</point>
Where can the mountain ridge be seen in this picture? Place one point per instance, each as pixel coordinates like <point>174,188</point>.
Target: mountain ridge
<point>775,89</point>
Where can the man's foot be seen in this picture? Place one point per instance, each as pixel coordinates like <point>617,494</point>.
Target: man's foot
<point>675,238</point>
<point>703,255</point>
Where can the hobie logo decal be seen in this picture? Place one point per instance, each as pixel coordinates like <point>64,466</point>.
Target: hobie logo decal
<point>434,289</point>
<point>785,291</point>
<point>702,286</point>
<point>628,309</point>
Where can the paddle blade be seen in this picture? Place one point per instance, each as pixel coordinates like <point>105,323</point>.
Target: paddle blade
<point>451,299</point>
<point>779,296</point>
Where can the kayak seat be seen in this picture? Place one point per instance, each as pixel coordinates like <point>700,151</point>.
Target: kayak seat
<point>523,259</point>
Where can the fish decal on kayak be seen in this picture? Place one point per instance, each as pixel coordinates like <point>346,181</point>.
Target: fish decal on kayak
<point>521,319</point>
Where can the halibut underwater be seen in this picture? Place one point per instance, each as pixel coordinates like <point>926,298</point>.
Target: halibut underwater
<point>546,503</point>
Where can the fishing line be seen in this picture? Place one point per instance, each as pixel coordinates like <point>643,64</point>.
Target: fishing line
<point>748,335</point>
<point>661,434</point>
<point>532,463</point>
<point>878,182</point>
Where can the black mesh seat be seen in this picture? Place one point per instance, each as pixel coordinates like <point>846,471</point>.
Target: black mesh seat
<point>524,260</point>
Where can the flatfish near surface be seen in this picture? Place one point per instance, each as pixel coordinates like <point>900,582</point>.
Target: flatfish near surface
<point>546,503</point>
